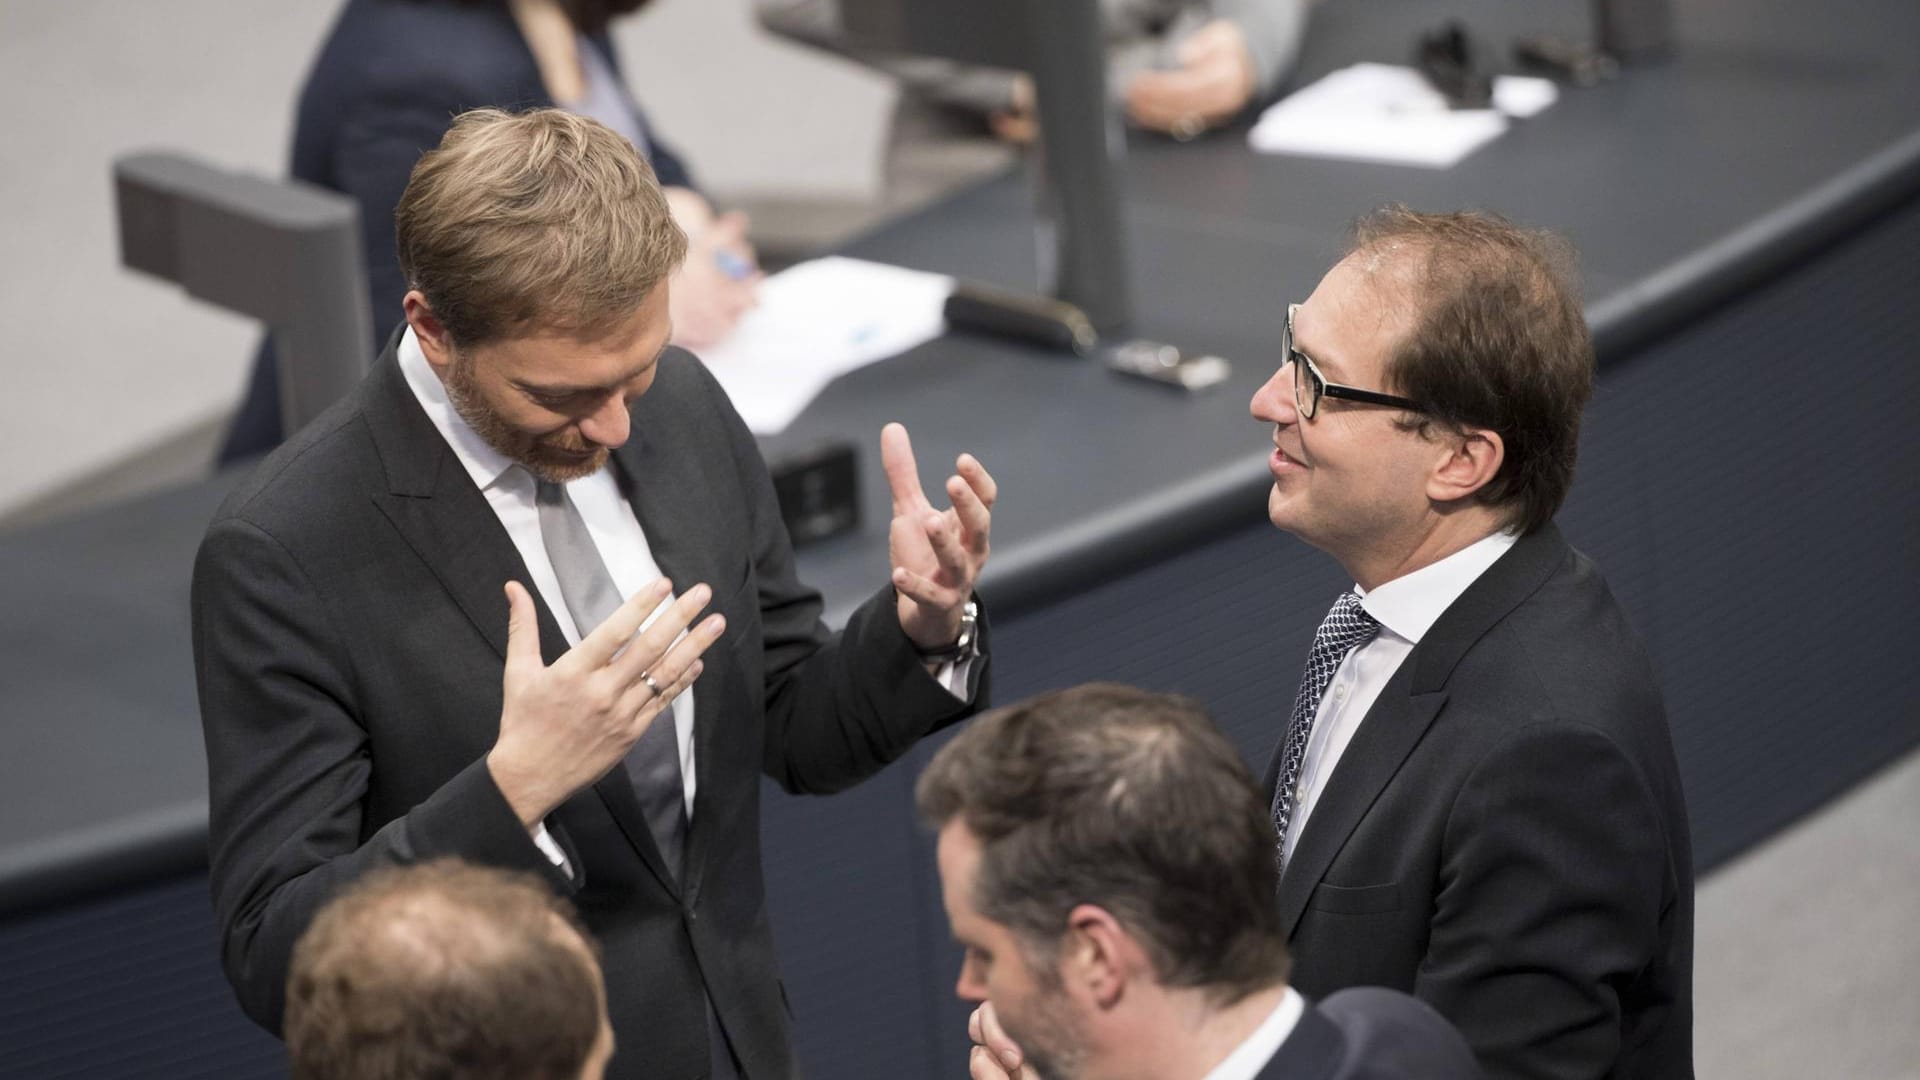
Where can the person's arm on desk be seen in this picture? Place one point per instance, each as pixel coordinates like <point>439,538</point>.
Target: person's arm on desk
<point>1236,60</point>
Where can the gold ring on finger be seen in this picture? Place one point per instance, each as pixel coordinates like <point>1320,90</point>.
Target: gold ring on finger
<point>651,685</point>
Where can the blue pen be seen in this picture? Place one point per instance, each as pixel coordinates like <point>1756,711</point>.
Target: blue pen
<point>732,265</point>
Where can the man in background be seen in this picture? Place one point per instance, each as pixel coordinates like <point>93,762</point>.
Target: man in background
<point>1107,863</point>
<point>446,969</point>
<point>1179,67</point>
<point>1474,791</point>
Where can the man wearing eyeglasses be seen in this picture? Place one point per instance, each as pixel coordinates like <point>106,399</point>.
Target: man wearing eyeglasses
<point>1474,790</point>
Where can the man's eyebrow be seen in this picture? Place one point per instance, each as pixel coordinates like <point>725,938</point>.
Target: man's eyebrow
<point>1328,363</point>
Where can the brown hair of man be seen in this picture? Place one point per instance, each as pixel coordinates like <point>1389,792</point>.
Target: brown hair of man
<point>1499,342</point>
<point>443,969</point>
<point>1128,800</point>
<point>539,221</point>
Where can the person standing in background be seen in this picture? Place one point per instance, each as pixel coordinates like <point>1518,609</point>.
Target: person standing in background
<point>1474,789</point>
<point>387,84</point>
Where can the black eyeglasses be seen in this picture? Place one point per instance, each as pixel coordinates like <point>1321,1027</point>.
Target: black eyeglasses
<point>1309,386</point>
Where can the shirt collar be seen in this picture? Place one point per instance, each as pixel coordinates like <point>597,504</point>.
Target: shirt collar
<point>1251,1056</point>
<point>482,462</point>
<point>1409,605</point>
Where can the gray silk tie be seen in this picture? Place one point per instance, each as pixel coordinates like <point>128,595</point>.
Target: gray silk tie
<point>653,764</point>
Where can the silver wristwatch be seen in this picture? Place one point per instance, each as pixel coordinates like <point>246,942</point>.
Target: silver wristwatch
<point>964,646</point>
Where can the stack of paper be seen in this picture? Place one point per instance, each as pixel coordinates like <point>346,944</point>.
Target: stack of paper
<point>819,320</point>
<point>1380,112</point>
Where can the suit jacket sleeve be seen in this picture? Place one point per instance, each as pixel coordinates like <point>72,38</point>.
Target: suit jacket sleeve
<point>1553,868</point>
<point>840,706</point>
<point>288,762</point>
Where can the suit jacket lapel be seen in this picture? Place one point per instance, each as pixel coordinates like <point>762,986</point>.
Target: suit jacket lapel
<point>1389,733</point>
<point>431,500</point>
<point>1406,708</point>
<point>668,493</point>
<point>434,505</point>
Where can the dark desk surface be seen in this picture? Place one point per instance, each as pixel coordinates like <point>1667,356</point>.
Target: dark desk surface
<point>1778,126</point>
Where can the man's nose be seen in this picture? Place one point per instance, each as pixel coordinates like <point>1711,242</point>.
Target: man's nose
<point>1273,402</point>
<point>608,425</point>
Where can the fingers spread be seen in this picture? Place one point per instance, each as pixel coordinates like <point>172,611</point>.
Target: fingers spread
<point>976,521</point>
<point>903,474</point>
<point>643,703</point>
<point>523,628</point>
<point>606,639</point>
<point>977,477</point>
<point>662,633</point>
<point>943,534</point>
<point>925,590</point>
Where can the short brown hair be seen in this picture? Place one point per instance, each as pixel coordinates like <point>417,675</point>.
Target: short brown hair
<point>1134,801</point>
<point>540,220</point>
<point>1499,342</point>
<point>440,970</point>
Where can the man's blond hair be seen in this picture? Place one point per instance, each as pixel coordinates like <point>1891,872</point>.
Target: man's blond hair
<point>532,222</point>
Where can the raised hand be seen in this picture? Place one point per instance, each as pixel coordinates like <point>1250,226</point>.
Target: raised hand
<point>936,554</point>
<point>563,726</point>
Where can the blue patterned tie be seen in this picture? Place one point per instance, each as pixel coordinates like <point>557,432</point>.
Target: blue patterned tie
<point>1346,628</point>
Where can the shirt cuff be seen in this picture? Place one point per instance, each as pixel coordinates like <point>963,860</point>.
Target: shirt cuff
<point>953,676</point>
<point>550,847</point>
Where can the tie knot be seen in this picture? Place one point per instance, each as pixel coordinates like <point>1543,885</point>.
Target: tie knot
<point>546,492</point>
<point>1347,624</point>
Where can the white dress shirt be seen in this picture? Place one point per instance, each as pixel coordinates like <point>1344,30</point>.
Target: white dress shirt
<point>1251,1056</point>
<point>1406,608</point>
<point>610,522</point>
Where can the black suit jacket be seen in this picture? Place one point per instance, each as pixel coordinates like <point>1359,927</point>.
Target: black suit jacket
<point>349,635</point>
<point>1505,835</point>
<point>384,88</point>
<point>1371,1034</point>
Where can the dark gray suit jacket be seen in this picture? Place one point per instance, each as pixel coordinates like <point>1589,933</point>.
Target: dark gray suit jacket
<point>1371,1034</point>
<point>1505,836</point>
<point>349,634</point>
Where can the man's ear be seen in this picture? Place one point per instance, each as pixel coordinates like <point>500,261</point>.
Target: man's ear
<point>1099,956</point>
<point>1467,461</point>
<point>428,330</point>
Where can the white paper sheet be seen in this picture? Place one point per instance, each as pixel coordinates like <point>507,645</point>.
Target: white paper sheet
<point>819,320</point>
<point>1385,113</point>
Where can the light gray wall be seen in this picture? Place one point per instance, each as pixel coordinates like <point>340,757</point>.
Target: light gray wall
<point>97,364</point>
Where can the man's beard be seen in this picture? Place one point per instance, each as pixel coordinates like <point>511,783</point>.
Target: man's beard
<point>554,461</point>
<point>1049,1034</point>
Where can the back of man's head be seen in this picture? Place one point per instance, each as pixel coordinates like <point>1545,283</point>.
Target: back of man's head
<point>1128,800</point>
<point>1498,341</point>
<point>445,970</point>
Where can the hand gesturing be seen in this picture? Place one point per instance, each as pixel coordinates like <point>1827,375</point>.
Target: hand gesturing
<point>936,554</point>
